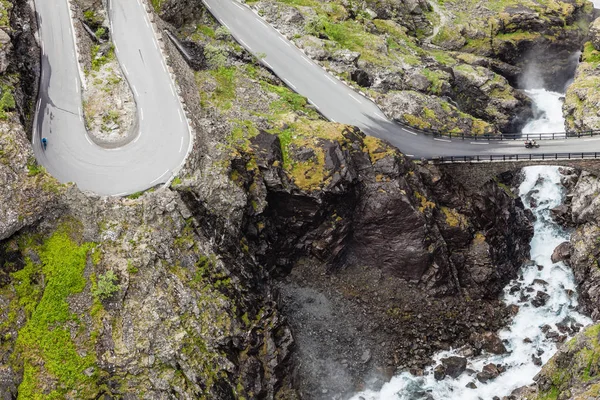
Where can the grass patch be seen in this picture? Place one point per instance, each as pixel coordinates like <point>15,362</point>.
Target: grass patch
<point>98,59</point>
<point>45,344</point>
<point>590,54</point>
<point>33,168</point>
<point>7,101</point>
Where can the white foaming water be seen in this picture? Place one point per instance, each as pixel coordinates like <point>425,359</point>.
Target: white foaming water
<point>596,3</point>
<point>548,112</point>
<point>524,338</point>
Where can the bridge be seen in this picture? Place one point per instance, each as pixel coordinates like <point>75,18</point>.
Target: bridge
<point>473,172</point>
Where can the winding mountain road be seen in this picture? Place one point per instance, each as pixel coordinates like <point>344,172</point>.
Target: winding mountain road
<point>338,102</point>
<point>163,137</point>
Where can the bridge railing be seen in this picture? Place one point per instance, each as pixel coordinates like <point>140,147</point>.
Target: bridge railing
<point>504,136</point>
<point>515,157</point>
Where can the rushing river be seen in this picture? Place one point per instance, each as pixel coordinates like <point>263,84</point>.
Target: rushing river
<point>547,112</point>
<point>531,336</point>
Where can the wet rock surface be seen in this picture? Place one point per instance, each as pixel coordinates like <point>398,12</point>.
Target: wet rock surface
<point>585,211</point>
<point>562,253</point>
<point>574,364</point>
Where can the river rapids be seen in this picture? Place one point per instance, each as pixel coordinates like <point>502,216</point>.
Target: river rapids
<point>526,336</point>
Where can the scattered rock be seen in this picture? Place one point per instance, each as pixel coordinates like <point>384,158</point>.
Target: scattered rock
<point>540,299</point>
<point>490,342</point>
<point>454,366</point>
<point>489,371</point>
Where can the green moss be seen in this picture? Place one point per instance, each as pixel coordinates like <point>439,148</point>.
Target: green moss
<point>224,94</point>
<point>7,100</point>
<point>45,345</point>
<point>33,168</point>
<point>424,203</point>
<point>590,54</point>
<point>377,149</point>
<point>5,9</point>
<point>157,4</point>
<point>436,79</point>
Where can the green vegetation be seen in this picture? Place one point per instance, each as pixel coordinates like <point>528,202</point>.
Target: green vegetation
<point>579,365</point>
<point>176,182</point>
<point>157,4</point>
<point>45,344</point>
<point>98,59</point>
<point>34,168</point>
<point>590,54</point>
<point>7,100</point>
<point>454,218</point>
<point>5,9</point>
<point>106,285</point>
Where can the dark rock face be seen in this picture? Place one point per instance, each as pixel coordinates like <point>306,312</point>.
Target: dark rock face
<point>178,12</point>
<point>584,247</point>
<point>562,215</point>
<point>25,59</point>
<point>385,239</point>
<point>546,62</point>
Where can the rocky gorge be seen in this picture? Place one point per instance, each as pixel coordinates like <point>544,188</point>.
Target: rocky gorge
<point>292,257</point>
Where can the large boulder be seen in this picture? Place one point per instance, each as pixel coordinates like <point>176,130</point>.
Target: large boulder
<point>490,342</point>
<point>454,366</point>
<point>562,252</point>
<point>489,96</point>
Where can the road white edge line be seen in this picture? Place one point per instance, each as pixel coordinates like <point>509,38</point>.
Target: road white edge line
<point>161,175</point>
<point>443,140</point>
<point>290,84</point>
<point>356,99</point>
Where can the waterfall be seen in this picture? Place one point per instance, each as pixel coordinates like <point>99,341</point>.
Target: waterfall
<point>547,110</point>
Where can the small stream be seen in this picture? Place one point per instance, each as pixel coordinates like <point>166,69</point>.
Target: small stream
<point>544,294</point>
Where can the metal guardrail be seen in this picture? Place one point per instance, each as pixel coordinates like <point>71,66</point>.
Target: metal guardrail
<point>515,157</point>
<point>504,136</point>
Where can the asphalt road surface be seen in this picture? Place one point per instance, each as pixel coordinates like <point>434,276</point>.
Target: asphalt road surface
<point>337,102</point>
<point>163,135</point>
